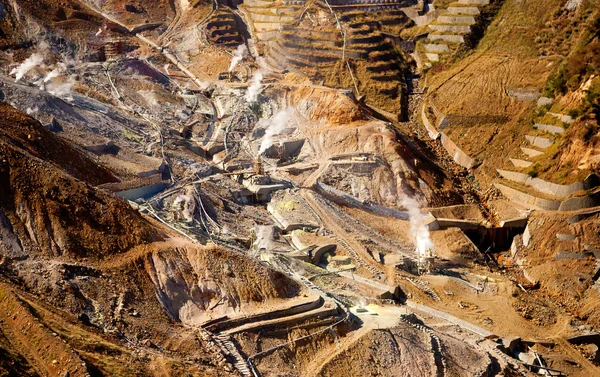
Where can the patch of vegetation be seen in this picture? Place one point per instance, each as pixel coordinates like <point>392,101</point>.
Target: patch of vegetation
<point>133,137</point>
<point>574,113</point>
<point>484,19</point>
<point>585,58</point>
<point>534,170</point>
<point>591,103</point>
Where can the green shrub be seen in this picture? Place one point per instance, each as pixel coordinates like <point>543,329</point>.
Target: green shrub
<point>534,171</point>
<point>557,83</point>
<point>575,113</point>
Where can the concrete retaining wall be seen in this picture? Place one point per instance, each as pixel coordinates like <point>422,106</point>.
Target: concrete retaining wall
<point>546,187</point>
<point>451,28</point>
<point>549,128</point>
<point>526,199</point>
<point>307,305</point>
<point>540,142</point>
<point>473,11</point>
<point>575,204</point>
<point>327,310</point>
<point>453,150</point>
<point>465,20</point>
<point>286,225</point>
<point>457,223</point>
<point>526,236</point>
<point>450,38</point>
<point>517,222</point>
<point>320,251</point>
<point>433,133</point>
<point>531,152</point>
<point>273,18</point>
<point>520,163</point>
<point>457,154</point>
<point>572,204</point>
<point>432,57</point>
<point>433,47</point>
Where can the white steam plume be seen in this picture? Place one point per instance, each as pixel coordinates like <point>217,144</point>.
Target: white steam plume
<point>62,90</point>
<point>254,88</point>
<point>238,55</point>
<point>277,124</point>
<point>29,63</point>
<point>419,232</point>
<point>264,237</point>
<point>55,72</point>
<point>255,82</point>
<point>149,97</point>
<point>30,111</point>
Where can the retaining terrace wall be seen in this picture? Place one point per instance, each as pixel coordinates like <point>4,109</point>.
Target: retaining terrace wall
<point>457,154</point>
<point>546,187</point>
<point>527,200</point>
<point>453,150</point>
<point>572,204</point>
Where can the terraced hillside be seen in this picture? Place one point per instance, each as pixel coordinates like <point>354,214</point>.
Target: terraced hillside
<point>223,28</point>
<point>340,44</point>
<point>456,27</point>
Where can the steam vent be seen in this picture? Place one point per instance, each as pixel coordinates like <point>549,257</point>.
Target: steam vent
<point>299,188</point>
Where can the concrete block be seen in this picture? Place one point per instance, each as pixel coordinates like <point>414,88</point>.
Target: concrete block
<point>436,48</point>
<point>473,11</point>
<point>562,117</point>
<point>531,152</point>
<point>538,141</point>
<point>566,255</point>
<point>527,200</point>
<point>549,128</point>
<point>464,29</point>
<point>526,236</point>
<point>450,38</point>
<point>543,101</point>
<point>530,278</point>
<point>520,163</point>
<point>433,57</point>
<point>456,20</point>
<point>565,237</point>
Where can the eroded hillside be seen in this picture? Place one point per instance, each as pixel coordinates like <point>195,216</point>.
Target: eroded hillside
<point>299,188</point>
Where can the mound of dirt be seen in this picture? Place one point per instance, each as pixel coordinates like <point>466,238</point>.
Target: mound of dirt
<point>559,257</point>
<point>196,284</point>
<point>46,210</point>
<point>19,129</point>
<point>403,348</point>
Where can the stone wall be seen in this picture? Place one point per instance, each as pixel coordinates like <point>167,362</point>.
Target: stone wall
<point>453,150</point>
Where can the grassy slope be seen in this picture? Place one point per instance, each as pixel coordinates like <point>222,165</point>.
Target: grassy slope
<point>511,55</point>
